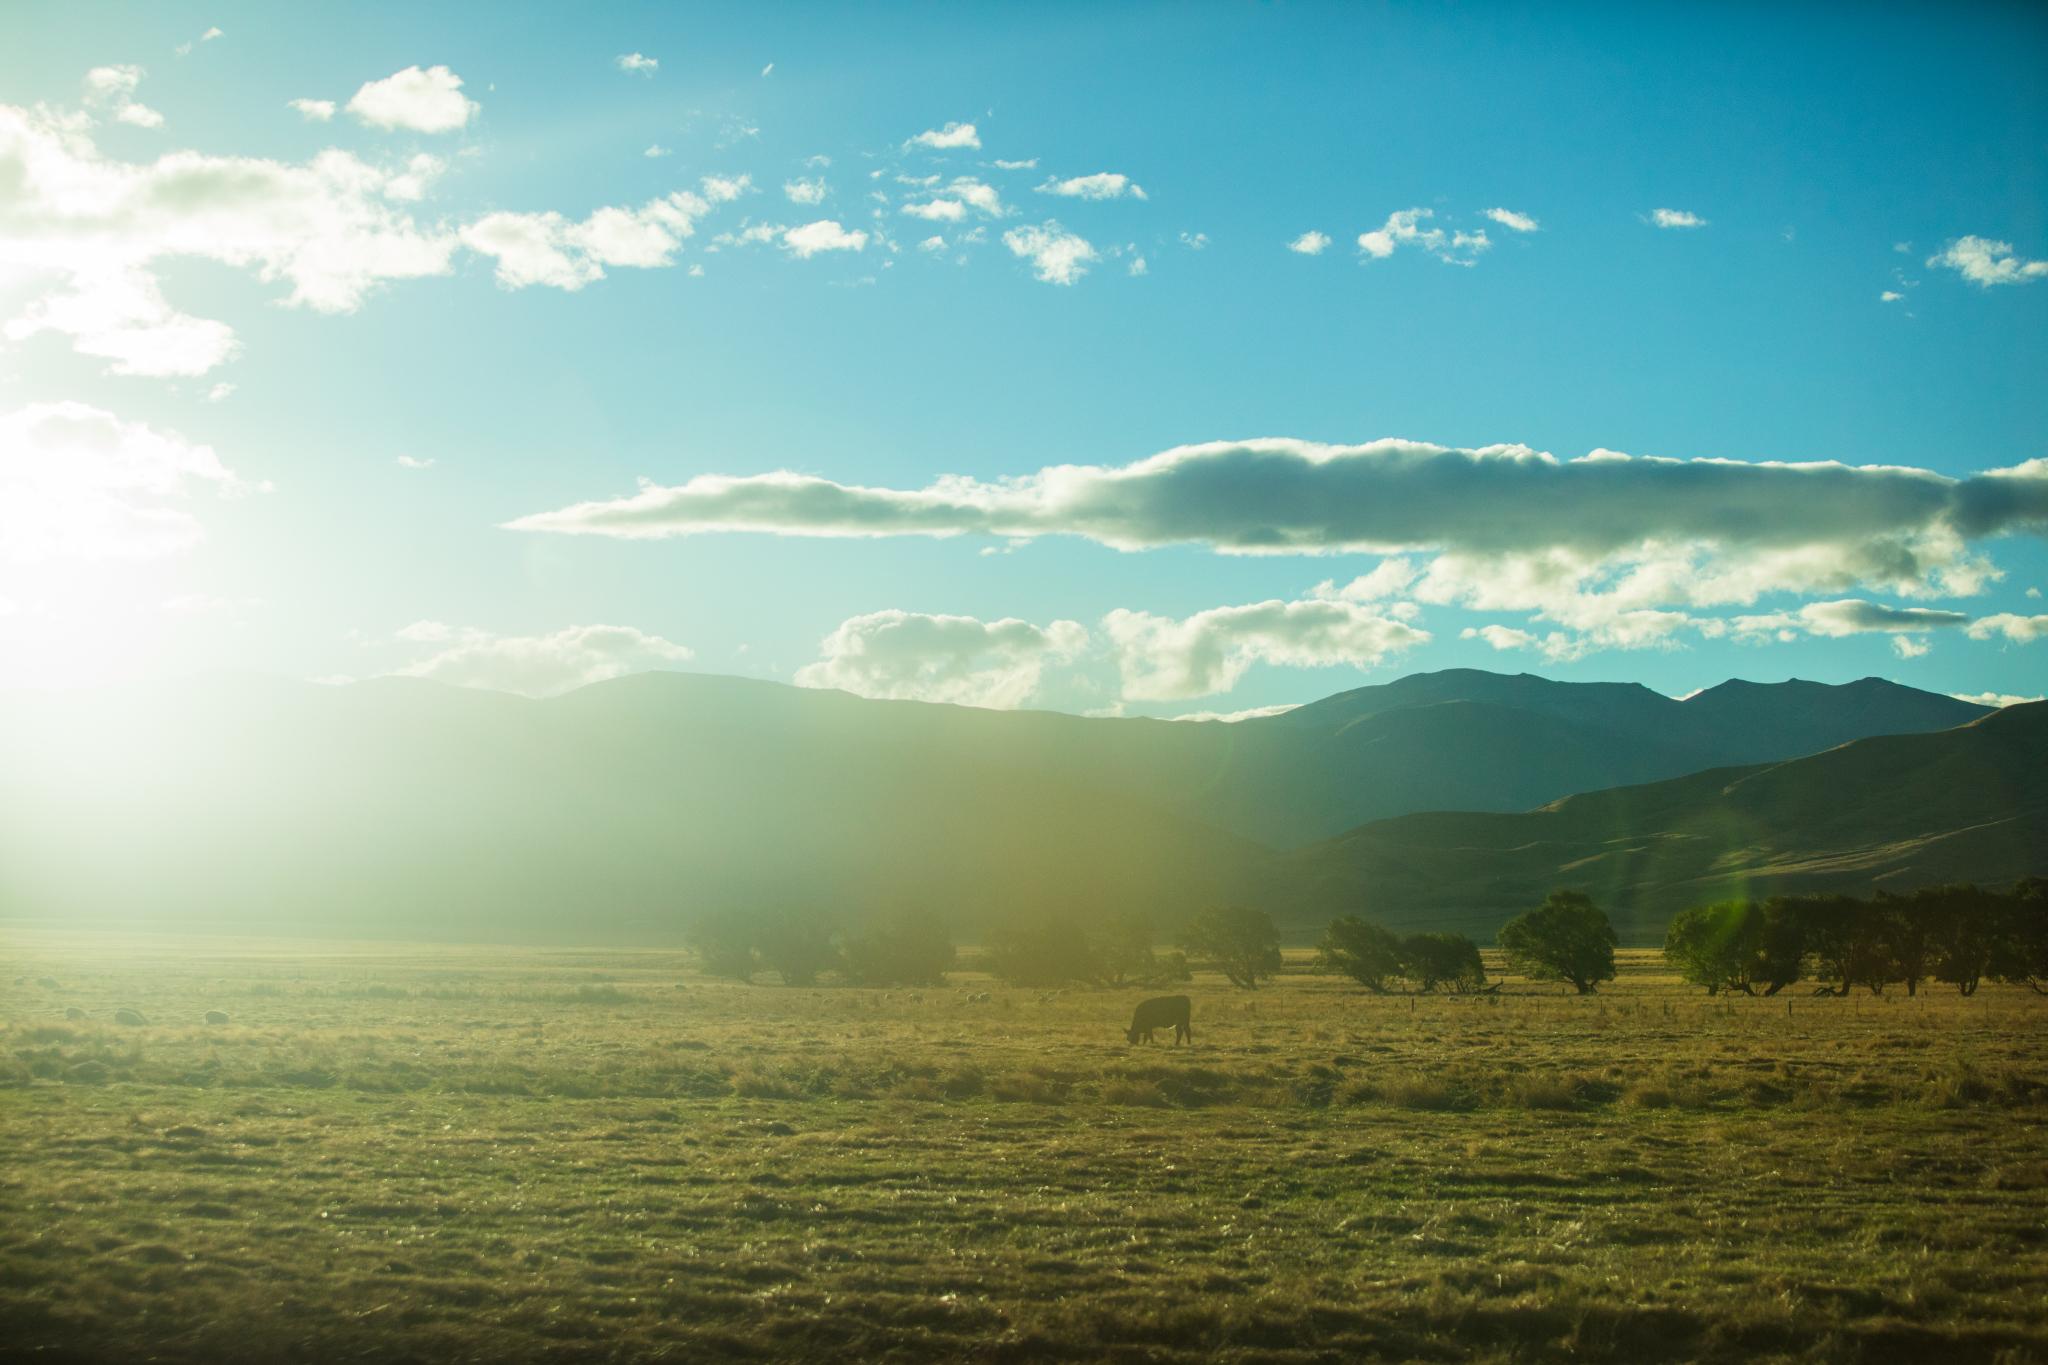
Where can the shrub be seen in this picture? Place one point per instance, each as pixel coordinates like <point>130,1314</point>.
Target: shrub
<point>1448,960</point>
<point>755,1084</point>
<point>904,948</point>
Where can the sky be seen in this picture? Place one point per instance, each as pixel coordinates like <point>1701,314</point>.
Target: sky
<point>1163,360</point>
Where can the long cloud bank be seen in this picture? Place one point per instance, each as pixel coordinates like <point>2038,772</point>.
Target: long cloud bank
<point>1286,496</point>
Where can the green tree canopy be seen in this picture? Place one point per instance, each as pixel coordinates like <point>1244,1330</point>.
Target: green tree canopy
<point>1719,946</point>
<point>724,944</point>
<point>1567,938</point>
<point>1447,960</point>
<point>1123,950</point>
<point>1241,943</point>
<point>1361,950</point>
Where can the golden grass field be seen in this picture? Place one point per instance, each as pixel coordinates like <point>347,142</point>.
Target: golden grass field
<point>397,1152</point>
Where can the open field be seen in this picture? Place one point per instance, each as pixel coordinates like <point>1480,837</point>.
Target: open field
<point>406,1152</point>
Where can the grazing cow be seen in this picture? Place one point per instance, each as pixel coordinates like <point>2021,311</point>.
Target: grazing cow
<point>1166,1011</point>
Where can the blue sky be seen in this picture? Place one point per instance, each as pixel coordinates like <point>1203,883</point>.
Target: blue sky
<point>370,383</point>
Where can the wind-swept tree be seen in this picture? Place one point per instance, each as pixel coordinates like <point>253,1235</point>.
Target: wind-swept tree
<point>1567,938</point>
<point>1361,950</point>
<point>1241,943</point>
<point>1447,960</point>
<point>724,944</point>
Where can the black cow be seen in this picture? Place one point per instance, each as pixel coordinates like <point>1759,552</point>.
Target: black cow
<point>1166,1011</point>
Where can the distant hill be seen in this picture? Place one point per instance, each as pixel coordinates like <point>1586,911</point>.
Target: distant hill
<point>398,804</point>
<point>1968,804</point>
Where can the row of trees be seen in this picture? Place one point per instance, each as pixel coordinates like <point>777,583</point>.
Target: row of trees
<point>903,948</point>
<point>1567,938</point>
<point>1959,935</point>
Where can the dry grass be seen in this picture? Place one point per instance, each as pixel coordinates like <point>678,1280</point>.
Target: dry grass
<point>403,1152</point>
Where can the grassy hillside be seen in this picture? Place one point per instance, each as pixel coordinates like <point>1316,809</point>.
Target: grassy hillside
<point>1897,811</point>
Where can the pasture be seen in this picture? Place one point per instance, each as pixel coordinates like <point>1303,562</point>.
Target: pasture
<point>412,1152</point>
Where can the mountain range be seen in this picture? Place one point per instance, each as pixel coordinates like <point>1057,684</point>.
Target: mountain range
<point>621,809</point>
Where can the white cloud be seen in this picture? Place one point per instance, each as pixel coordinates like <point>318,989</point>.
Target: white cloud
<point>1676,218</point>
<point>219,392</point>
<point>1194,241</point>
<point>817,163</point>
<point>1249,713</point>
<point>1626,552</point>
<point>1138,266</point>
<point>1911,647</point>
<point>1998,699</point>
<point>938,211</point>
<point>723,189</point>
<point>427,101</point>
<point>78,483</point>
<point>104,225</point>
<point>1500,637</point>
<point>951,203</point>
<point>184,48</point>
<point>546,248</point>
<point>411,463</point>
<point>1986,262</point>
<point>1835,620</point>
<point>319,111</point>
<point>1889,297</point>
<point>1161,659</point>
<point>533,665</point>
<point>655,149</point>
<point>952,135</point>
<point>804,191</point>
<point>1104,185</point>
<point>1452,248</point>
<point>932,244</point>
<point>1030,165</point>
<point>826,235</point>
<point>1508,218</point>
<point>1309,244</point>
<point>2019,629</point>
<point>1056,256</point>
<point>645,66</point>
<point>957,659</point>
<point>114,87</point>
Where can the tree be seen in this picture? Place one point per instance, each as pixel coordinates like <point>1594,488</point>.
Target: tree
<point>1448,960</point>
<point>903,948</point>
<point>1123,950</point>
<point>1567,938</point>
<point>1362,951</point>
<point>1782,958</point>
<point>1846,940</point>
<point>2021,937</point>
<point>1719,946</point>
<point>724,944</point>
<point>1963,933</point>
<point>796,944</point>
<point>1236,941</point>
<point>1045,952</point>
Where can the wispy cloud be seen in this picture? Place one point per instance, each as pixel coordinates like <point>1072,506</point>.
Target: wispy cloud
<point>1309,244</point>
<point>802,191</point>
<point>2018,629</point>
<point>1508,218</point>
<point>185,48</point>
<point>1101,186</point>
<point>1452,248</point>
<point>319,111</point>
<point>1676,218</point>
<point>1030,165</point>
<point>114,87</point>
<point>1985,262</point>
<point>533,665</point>
<point>639,65</point>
